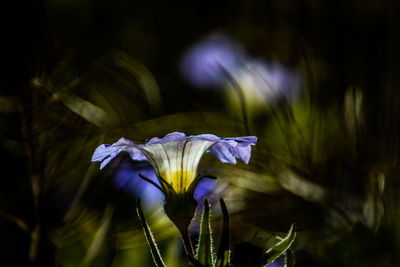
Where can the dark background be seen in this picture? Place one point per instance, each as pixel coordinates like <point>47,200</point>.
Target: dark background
<point>337,44</point>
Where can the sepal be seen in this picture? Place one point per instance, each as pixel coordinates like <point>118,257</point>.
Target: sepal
<point>158,261</point>
<point>205,251</point>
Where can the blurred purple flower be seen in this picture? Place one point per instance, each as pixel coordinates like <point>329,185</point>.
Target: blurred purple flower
<point>205,188</point>
<point>206,63</point>
<point>175,157</point>
<point>219,61</point>
<point>274,264</point>
<point>269,81</point>
<point>127,180</point>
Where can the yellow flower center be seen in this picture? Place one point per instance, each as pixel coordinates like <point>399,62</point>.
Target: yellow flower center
<point>179,180</point>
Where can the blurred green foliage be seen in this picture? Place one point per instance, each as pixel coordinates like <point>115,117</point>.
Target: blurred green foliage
<point>75,74</point>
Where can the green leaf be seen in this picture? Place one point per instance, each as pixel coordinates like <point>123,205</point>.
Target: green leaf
<point>150,239</point>
<point>223,254</point>
<point>81,107</point>
<point>205,251</point>
<point>279,248</point>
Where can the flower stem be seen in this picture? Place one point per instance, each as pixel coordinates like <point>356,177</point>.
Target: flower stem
<point>186,241</point>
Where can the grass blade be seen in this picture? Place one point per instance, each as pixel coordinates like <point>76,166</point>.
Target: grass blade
<point>280,248</point>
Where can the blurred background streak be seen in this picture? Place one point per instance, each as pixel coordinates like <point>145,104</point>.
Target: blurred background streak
<point>316,81</point>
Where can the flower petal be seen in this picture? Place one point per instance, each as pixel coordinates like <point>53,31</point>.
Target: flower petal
<point>105,153</point>
<point>224,152</point>
<point>175,136</point>
<point>207,137</point>
<point>228,149</point>
<point>176,157</point>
